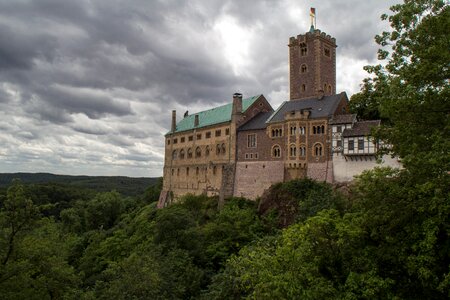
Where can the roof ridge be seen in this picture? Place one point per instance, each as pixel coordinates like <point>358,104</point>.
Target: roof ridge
<point>223,105</point>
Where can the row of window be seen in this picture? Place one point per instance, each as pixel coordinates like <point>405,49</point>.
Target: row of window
<point>317,150</point>
<point>218,133</point>
<point>220,149</point>
<point>351,144</point>
<point>251,155</point>
<point>302,130</point>
<point>326,88</point>
<point>293,131</point>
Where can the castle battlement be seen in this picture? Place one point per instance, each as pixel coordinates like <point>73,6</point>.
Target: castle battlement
<point>316,33</point>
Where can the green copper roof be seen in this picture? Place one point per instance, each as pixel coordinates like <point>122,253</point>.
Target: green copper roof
<point>212,116</point>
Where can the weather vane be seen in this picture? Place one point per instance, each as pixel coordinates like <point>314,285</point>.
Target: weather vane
<point>312,14</point>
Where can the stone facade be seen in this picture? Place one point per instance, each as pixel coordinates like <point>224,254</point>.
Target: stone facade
<point>312,65</point>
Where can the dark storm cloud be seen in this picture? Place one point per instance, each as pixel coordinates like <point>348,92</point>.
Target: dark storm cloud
<point>17,51</point>
<point>93,104</point>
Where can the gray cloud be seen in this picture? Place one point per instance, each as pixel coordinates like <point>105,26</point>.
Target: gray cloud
<point>87,86</point>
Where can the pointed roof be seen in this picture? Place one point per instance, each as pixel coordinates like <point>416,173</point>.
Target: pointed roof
<point>213,116</point>
<point>343,119</point>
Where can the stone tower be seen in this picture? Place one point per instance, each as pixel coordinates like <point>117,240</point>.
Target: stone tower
<point>312,65</point>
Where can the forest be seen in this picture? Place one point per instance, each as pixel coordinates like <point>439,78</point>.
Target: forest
<point>384,236</point>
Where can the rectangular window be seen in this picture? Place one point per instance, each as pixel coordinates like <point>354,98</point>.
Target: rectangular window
<point>246,155</point>
<point>208,135</point>
<point>360,144</point>
<point>339,143</point>
<point>227,131</point>
<point>199,136</point>
<point>351,145</point>
<point>182,139</point>
<point>168,142</point>
<point>339,129</point>
<point>218,132</point>
<point>191,138</point>
<point>256,155</point>
<point>327,52</point>
<point>251,140</point>
<point>175,141</point>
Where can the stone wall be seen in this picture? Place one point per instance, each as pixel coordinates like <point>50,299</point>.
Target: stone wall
<point>253,178</point>
<point>321,171</point>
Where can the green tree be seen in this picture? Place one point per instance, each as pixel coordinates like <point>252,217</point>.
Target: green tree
<point>411,87</point>
<point>17,216</point>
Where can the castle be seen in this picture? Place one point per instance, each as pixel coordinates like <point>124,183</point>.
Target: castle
<point>242,148</point>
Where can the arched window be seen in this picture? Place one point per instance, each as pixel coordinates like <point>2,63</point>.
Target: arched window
<point>214,170</point>
<point>302,150</point>
<point>303,87</point>
<point>276,151</point>
<point>322,129</point>
<point>324,87</point>
<point>197,171</point>
<point>318,149</point>
<point>292,150</point>
<point>187,171</point>
<point>303,68</point>
<point>182,154</point>
<point>314,130</point>
<point>302,130</point>
<point>329,88</point>
<point>207,151</point>
<point>174,154</point>
<point>218,149</point>
<point>223,149</point>
<point>189,153</point>
<point>293,130</point>
<point>198,152</point>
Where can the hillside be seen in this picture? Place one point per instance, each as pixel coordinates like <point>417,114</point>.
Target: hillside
<point>128,186</point>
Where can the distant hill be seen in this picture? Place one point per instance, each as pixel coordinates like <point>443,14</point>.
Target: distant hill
<point>128,186</point>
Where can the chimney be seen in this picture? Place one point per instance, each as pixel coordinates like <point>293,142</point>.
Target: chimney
<point>196,121</point>
<point>174,120</point>
<point>237,104</point>
<point>320,94</point>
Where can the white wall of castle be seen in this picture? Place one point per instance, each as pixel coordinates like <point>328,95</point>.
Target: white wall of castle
<point>344,169</point>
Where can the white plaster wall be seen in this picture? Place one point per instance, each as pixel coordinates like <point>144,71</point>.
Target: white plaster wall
<point>345,170</point>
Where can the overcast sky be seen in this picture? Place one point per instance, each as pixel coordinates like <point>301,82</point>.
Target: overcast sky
<point>87,86</point>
